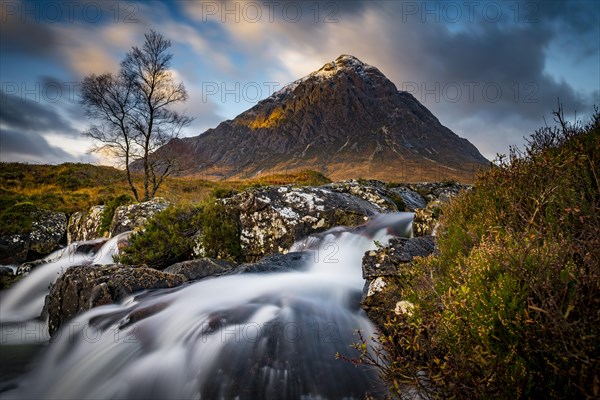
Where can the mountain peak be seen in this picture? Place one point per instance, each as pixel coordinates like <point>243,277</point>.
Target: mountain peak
<point>345,63</point>
<point>342,63</point>
<point>346,120</point>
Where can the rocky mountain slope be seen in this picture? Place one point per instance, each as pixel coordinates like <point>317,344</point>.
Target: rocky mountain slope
<point>346,120</point>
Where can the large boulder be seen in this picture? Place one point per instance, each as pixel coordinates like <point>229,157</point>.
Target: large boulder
<point>272,218</point>
<point>387,272</point>
<point>132,216</point>
<point>83,287</point>
<point>47,231</point>
<point>85,225</point>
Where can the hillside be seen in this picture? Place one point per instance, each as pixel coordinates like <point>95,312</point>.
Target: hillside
<point>74,187</point>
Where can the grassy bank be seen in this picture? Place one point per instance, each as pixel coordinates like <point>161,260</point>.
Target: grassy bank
<point>509,308</point>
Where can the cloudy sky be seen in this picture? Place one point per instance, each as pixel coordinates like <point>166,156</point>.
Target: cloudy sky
<point>489,70</point>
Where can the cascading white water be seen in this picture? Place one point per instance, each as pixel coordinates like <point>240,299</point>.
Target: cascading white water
<point>25,299</point>
<point>245,336</point>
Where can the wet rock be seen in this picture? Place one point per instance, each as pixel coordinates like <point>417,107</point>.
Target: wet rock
<point>81,288</point>
<point>85,225</point>
<point>210,267</point>
<point>26,267</point>
<point>294,261</point>
<point>7,277</point>
<point>388,260</point>
<point>388,271</point>
<point>200,268</point>
<point>47,230</point>
<point>271,219</point>
<point>132,216</point>
<point>410,199</point>
<point>6,271</point>
<point>89,248</point>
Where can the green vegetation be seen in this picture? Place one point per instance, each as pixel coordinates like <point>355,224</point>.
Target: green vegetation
<point>220,233</point>
<point>173,234</point>
<point>17,219</point>
<point>165,240</point>
<point>109,210</point>
<point>509,306</point>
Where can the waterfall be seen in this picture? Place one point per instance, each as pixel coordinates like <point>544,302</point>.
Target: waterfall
<point>25,300</point>
<point>244,336</point>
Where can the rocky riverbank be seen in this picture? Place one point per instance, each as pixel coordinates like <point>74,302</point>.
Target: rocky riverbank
<point>269,220</point>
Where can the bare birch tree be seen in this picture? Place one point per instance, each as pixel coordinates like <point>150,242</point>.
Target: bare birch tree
<point>133,114</point>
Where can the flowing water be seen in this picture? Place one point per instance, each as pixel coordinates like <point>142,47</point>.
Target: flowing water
<point>245,336</point>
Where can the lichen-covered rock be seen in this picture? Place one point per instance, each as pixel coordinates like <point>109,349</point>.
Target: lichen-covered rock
<point>200,268</point>
<point>388,271</point>
<point>81,288</point>
<point>273,218</point>
<point>132,216</point>
<point>85,225</point>
<point>426,219</point>
<point>13,248</point>
<point>372,191</point>
<point>438,195</point>
<point>47,230</point>
<point>443,191</point>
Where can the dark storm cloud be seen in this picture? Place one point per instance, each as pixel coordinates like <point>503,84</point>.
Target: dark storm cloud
<point>491,69</point>
<point>576,16</point>
<point>25,36</point>
<point>24,123</point>
<point>31,146</point>
<point>30,115</point>
<point>504,69</point>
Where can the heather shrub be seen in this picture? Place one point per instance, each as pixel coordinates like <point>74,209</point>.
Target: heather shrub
<point>109,210</point>
<point>220,234</point>
<point>176,233</point>
<point>509,306</point>
<point>165,240</point>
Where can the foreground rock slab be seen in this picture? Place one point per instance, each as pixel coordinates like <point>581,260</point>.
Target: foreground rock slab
<point>81,288</point>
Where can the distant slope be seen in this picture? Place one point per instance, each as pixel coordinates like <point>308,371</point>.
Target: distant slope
<point>346,120</point>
